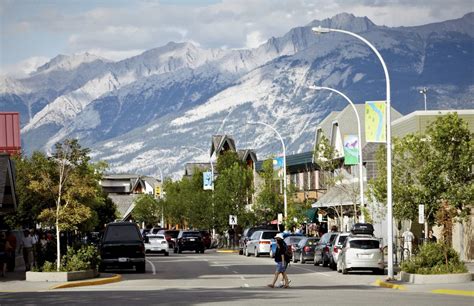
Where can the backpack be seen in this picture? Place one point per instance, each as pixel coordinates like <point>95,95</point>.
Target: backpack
<point>288,253</point>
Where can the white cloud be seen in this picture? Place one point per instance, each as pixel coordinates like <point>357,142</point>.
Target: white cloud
<point>254,39</point>
<point>24,67</point>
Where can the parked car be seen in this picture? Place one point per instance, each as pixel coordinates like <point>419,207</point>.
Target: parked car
<point>259,242</point>
<point>248,232</point>
<point>206,239</point>
<point>145,231</point>
<point>304,250</point>
<point>156,244</point>
<point>361,252</point>
<point>335,249</point>
<point>122,246</point>
<point>322,251</point>
<point>292,242</point>
<point>285,235</point>
<point>189,241</point>
<point>154,230</point>
<point>170,236</point>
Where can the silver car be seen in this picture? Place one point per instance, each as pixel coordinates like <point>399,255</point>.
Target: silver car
<point>361,252</point>
<point>336,249</point>
<point>156,244</point>
<point>259,243</point>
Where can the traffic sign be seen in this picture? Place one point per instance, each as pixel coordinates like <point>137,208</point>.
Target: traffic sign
<point>232,220</point>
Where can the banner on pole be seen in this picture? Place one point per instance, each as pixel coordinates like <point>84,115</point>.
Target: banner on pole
<point>375,121</point>
<point>207,180</point>
<point>277,167</point>
<point>351,150</point>
<point>421,214</point>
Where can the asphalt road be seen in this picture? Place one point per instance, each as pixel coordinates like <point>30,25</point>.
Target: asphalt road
<point>230,279</point>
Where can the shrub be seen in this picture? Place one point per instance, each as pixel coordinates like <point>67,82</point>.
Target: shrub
<point>435,258</point>
<point>82,259</point>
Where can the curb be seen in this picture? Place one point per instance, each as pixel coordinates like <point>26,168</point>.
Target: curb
<point>93,282</point>
<point>453,292</point>
<point>383,284</point>
<point>227,251</point>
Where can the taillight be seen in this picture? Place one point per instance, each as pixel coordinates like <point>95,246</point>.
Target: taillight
<point>307,249</point>
<point>326,249</point>
<point>264,242</point>
<point>336,249</point>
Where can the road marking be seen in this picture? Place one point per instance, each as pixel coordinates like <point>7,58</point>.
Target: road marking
<point>246,285</point>
<point>311,271</point>
<point>242,277</point>
<point>226,267</point>
<point>152,266</point>
<point>235,272</point>
<point>454,292</point>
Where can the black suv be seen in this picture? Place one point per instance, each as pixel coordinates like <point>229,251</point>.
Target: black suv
<point>189,241</point>
<point>122,246</point>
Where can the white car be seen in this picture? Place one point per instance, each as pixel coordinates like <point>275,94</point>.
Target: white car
<point>336,249</point>
<point>157,244</point>
<point>361,252</point>
<point>260,242</point>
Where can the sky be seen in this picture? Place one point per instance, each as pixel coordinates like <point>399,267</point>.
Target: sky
<point>34,31</point>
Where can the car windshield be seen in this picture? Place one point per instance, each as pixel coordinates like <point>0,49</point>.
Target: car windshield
<point>294,240</point>
<point>342,239</point>
<point>332,238</point>
<point>268,235</point>
<point>312,241</point>
<point>191,234</point>
<point>364,244</point>
<point>122,233</point>
<point>173,234</point>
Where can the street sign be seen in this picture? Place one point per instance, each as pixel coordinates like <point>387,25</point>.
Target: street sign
<point>280,218</point>
<point>232,220</point>
<point>421,213</point>
<point>157,191</point>
<point>320,217</point>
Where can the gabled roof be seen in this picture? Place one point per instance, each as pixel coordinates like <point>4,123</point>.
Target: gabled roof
<point>190,168</point>
<point>246,153</point>
<point>124,203</point>
<point>219,142</point>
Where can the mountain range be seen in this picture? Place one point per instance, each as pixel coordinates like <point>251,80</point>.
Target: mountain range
<point>152,110</point>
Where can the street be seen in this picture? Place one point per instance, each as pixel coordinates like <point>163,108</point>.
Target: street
<point>230,279</point>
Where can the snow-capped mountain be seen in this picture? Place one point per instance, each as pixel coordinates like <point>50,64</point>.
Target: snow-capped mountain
<point>138,113</point>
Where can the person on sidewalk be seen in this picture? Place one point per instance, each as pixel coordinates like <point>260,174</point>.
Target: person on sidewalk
<point>27,245</point>
<point>281,262</point>
<point>431,237</point>
<point>11,251</point>
<point>408,239</point>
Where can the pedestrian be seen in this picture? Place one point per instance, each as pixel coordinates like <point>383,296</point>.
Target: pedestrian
<point>281,262</point>
<point>408,239</point>
<point>231,234</point>
<point>27,245</point>
<point>431,237</point>
<point>11,251</point>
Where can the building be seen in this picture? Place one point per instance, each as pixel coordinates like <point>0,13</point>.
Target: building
<point>10,144</point>
<point>124,189</point>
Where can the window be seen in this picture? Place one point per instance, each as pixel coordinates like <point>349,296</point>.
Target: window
<point>364,244</point>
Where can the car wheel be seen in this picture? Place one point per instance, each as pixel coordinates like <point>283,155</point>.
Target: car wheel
<point>293,257</point>
<point>247,252</point>
<point>140,268</point>
<point>257,254</point>
<point>271,253</point>
<point>302,259</point>
<point>197,251</point>
<point>167,253</point>
<point>325,263</point>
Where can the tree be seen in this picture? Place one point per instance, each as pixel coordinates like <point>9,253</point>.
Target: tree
<point>233,189</point>
<point>434,169</point>
<point>68,179</point>
<point>269,202</point>
<point>146,210</point>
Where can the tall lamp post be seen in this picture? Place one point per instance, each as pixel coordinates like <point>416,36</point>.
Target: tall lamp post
<point>161,198</point>
<point>361,182</point>
<point>389,142</point>
<point>284,167</point>
<point>424,91</point>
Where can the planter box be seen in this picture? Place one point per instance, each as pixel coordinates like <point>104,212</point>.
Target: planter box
<point>60,276</point>
<point>421,279</point>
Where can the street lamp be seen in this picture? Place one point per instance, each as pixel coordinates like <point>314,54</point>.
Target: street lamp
<point>389,142</point>
<point>423,92</point>
<point>361,182</point>
<point>284,166</point>
<point>161,198</point>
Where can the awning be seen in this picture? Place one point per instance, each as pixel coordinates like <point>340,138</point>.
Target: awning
<point>311,215</point>
<point>340,195</point>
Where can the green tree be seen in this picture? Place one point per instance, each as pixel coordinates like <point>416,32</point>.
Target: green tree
<point>434,169</point>
<point>146,210</point>
<point>68,179</point>
<point>233,190</point>
<point>269,201</point>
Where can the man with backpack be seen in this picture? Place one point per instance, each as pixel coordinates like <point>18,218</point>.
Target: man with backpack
<point>282,260</point>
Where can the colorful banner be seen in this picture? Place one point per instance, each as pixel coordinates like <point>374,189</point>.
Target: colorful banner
<point>351,150</point>
<point>277,167</point>
<point>375,121</point>
<point>207,180</point>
